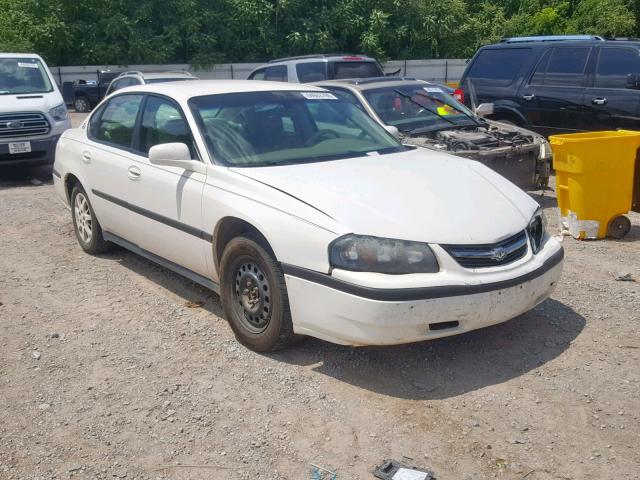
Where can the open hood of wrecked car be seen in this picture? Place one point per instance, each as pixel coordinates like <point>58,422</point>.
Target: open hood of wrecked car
<point>414,195</point>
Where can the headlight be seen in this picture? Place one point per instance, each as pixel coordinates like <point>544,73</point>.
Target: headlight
<point>545,150</point>
<point>537,229</point>
<point>59,113</point>
<point>360,253</point>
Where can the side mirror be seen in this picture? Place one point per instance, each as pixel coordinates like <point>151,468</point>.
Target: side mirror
<point>175,155</point>
<point>633,81</point>
<point>484,109</point>
<point>393,131</point>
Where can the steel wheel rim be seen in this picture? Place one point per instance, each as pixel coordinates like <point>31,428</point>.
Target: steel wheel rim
<point>252,297</point>
<point>84,223</point>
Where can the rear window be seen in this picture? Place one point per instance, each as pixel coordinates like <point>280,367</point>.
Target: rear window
<point>356,70</point>
<point>499,64</point>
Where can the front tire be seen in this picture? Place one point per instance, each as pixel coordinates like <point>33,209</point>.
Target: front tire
<point>254,296</point>
<point>85,224</point>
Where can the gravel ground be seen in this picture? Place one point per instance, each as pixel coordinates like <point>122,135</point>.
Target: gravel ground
<point>106,372</point>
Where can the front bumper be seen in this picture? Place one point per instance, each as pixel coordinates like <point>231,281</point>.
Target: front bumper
<point>42,152</point>
<point>348,314</point>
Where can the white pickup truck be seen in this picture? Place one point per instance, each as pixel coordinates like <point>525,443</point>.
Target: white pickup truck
<point>32,112</point>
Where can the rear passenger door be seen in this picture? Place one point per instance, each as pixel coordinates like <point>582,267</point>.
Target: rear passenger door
<point>551,99</point>
<point>613,101</point>
<point>104,161</point>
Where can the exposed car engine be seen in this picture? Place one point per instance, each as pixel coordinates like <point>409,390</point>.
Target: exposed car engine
<point>499,146</point>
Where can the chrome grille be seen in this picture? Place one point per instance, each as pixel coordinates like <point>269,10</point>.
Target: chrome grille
<point>490,255</point>
<point>23,125</point>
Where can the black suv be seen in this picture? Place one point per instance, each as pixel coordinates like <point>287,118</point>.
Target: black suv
<point>558,84</point>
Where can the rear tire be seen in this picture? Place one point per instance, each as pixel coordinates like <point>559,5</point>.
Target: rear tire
<point>254,296</point>
<point>81,105</point>
<point>85,224</point>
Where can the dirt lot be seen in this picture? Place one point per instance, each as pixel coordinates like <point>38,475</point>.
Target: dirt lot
<point>105,372</point>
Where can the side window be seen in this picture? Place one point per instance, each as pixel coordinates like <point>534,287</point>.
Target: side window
<point>501,66</point>
<point>538,76</point>
<point>162,122</point>
<point>257,75</point>
<point>94,122</point>
<point>615,65</point>
<point>566,66</point>
<point>311,72</point>
<point>118,119</point>
<point>276,74</point>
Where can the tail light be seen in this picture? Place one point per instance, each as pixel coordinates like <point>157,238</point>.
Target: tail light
<point>458,94</point>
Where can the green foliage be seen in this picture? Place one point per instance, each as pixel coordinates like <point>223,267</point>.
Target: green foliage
<point>205,32</point>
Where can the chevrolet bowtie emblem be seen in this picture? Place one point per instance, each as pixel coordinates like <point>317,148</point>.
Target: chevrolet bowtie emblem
<point>498,254</point>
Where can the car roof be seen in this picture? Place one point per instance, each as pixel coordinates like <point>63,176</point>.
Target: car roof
<point>155,75</point>
<point>563,40</point>
<point>349,57</point>
<point>20,55</point>
<point>196,88</point>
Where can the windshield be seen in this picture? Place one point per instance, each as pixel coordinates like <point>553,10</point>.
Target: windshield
<point>418,107</point>
<point>278,128</point>
<point>23,75</point>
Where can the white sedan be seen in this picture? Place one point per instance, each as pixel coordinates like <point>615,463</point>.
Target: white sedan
<point>304,214</point>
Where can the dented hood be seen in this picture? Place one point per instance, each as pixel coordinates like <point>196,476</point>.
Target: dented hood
<point>413,195</point>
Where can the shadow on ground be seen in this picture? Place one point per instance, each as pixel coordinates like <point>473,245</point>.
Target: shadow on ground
<point>12,177</point>
<point>450,366</point>
<point>437,369</point>
<point>190,291</point>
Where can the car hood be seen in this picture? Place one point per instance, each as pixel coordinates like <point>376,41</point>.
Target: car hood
<point>414,195</point>
<point>30,102</point>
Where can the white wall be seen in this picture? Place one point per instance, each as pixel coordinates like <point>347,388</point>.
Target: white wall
<point>442,71</point>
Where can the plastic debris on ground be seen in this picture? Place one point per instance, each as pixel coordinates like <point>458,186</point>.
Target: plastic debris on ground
<point>395,470</point>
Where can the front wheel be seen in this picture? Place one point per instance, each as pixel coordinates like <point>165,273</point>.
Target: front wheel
<point>254,296</point>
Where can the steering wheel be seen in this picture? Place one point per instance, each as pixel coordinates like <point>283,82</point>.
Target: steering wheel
<point>315,138</point>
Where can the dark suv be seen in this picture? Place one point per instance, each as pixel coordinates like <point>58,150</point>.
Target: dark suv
<point>558,84</point>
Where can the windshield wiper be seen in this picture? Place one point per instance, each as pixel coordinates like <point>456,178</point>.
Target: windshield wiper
<point>474,120</point>
<point>435,112</point>
<point>300,161</point>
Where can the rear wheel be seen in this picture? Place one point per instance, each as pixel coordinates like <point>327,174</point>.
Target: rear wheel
<point>81,105</point>
<point>254,296</point>
<point>86,226</point>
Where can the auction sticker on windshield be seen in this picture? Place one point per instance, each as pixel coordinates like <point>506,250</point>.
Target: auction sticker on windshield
<point>432,89</point>
<point>27,65</point>
<point>19,147</point>
<point>319,95</point>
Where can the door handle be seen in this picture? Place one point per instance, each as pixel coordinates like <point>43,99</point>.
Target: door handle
<point>134,172</point>
<point>86,157</point>
<point>599,101</point>
<point>528,97</point>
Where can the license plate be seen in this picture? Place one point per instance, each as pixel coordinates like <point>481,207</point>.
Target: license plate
<point>19,147</point>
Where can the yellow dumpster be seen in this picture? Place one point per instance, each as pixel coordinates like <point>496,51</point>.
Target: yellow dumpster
<point>594,181</point>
